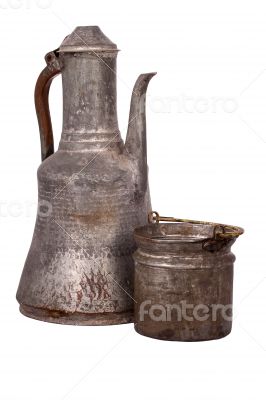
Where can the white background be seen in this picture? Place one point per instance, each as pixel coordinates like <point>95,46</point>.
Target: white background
<point>207,161</point>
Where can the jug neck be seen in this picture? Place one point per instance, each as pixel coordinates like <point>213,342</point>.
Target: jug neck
<point>89,100</point>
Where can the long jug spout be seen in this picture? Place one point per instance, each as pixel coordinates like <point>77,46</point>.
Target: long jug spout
<point>136,145</point>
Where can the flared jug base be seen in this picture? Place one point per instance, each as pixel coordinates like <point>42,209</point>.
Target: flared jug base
<point>76,318</point>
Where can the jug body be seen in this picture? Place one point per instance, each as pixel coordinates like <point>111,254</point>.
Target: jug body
<point>79,269</point>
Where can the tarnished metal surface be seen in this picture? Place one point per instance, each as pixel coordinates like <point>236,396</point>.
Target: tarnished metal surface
<point>92,192</point>
<point>184,280</point>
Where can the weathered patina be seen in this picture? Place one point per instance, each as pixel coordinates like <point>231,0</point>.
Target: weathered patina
<point>93,191</point>
<point>184,279</point>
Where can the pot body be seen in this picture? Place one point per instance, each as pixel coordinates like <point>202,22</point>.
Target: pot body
<point>182,291</point>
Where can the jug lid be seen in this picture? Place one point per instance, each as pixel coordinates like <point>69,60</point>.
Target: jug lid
<point>86,39</point>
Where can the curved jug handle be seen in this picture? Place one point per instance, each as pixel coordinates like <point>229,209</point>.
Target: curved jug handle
<point>41,97</point>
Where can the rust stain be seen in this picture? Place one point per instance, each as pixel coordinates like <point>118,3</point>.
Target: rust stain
<point>96,216</point>
<point>95,286</point>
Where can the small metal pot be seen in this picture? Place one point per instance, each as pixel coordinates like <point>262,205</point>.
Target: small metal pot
<point>184,279</point>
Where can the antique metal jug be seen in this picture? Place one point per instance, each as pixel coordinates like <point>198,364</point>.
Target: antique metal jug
<point>184,279</point>
<point>92,192</point>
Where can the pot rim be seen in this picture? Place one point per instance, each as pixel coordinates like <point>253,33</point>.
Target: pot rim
<point>186,232</point>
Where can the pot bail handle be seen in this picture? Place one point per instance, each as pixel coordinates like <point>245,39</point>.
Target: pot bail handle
<point>220,231</point>
<point>41,97</point>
